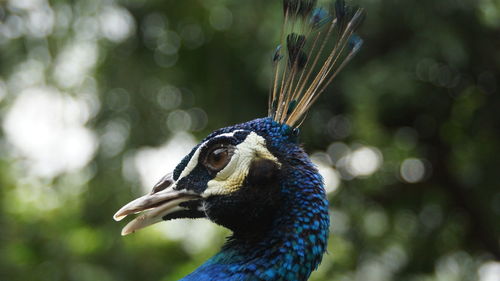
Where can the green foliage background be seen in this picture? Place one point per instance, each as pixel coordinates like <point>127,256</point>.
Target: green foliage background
<point>424,86</point>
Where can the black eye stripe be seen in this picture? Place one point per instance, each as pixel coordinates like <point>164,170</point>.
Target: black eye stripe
<point>196,180</point>
<point>237,137</point>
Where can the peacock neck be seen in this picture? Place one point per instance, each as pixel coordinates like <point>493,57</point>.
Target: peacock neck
<point>294,244</point>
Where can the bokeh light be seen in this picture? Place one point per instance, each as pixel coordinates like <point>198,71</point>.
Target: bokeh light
<point>364,161</point>
<point>151,164</point>
<point>412,170</point>
<point>100,99</point>
<point>48,130</point>
<point>331,177</point>
<point>489,271</point>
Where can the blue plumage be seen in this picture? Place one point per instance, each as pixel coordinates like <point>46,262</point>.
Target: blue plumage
<point>299,234</point>
<point>254,178</point>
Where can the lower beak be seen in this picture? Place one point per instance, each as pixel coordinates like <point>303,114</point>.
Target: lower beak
<point>155,207</point>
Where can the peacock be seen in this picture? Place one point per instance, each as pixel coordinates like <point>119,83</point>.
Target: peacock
<point>254,178</point>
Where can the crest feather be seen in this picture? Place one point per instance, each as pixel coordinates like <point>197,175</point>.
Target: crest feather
<point>318,43</point>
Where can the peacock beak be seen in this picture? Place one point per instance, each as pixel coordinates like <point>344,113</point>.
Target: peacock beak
<point>162,203</point>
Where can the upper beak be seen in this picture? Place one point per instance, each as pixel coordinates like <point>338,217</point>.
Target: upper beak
<point>162,201</point>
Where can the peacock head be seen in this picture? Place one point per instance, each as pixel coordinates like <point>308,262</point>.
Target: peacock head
<point>235,176</point>
<point>232,178</point>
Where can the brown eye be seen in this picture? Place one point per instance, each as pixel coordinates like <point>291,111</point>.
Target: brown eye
<point>218,158</point>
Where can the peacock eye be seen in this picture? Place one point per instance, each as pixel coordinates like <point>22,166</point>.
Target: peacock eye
<point>219,157</point>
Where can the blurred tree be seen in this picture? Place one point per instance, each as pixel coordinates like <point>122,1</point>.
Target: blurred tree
<point>99,98</point>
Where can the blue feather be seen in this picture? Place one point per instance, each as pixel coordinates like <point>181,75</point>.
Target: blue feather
<point>355,43</point>
<point>319,17</point>
<point>296,245</point>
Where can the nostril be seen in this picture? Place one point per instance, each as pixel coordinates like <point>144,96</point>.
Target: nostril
<point>165,182</point>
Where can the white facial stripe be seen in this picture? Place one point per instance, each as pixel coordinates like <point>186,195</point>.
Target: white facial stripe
<point>232,176</point>
<point>194,159</point>
<point>230,134</point>
<point>192,162</point>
